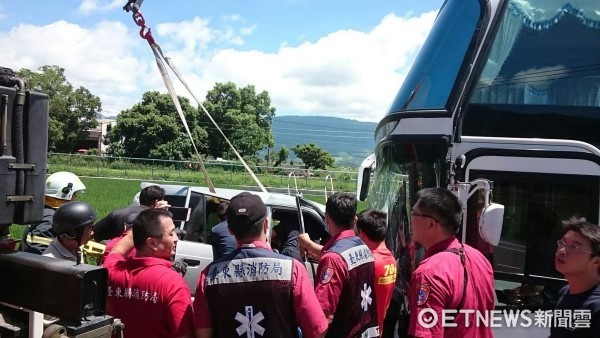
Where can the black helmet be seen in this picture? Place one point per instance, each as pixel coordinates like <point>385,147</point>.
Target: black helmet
<point>72,216</point>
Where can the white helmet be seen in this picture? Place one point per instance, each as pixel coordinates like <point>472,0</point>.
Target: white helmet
<point>62,185</point>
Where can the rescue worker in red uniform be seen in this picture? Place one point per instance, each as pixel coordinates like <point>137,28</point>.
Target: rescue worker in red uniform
<point>345,277</point>
<point>372,228</point>
<point>253,291</point>
<point>451,276</point>
<point>149,297</point>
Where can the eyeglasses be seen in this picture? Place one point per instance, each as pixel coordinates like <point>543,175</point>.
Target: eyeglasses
<point>570,248</point>
<point>414,213</point>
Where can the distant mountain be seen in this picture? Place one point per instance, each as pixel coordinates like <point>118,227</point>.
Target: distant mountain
<point>348,141</point>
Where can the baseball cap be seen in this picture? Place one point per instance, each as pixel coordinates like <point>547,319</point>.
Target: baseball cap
<point>245,209</point>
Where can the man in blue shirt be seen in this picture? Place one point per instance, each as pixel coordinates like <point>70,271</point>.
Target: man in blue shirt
<point>578,259</point>
<point>220,238</point>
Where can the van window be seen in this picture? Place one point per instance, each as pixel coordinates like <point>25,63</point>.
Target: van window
<point>194,228</point>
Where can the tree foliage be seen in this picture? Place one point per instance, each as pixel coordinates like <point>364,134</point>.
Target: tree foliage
<point>72,111</point>
<point>153,129</point>
<point>313,156</point>
<point>282,156</point>
<point>243,115</point>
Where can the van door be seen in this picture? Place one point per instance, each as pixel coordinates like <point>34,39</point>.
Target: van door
<point>314,224</point>
<point>175,195</point>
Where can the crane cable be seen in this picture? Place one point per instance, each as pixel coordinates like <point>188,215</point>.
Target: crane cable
<point>146,34</point>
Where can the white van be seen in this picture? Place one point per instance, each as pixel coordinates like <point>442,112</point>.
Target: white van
<point>203,204</point>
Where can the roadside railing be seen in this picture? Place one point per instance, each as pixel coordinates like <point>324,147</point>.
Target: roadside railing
<point>222,173</point>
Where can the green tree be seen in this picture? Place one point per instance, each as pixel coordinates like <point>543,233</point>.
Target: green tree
<point>313,156</point>
<point>282,156</point>
<point>243,115</point>
<point>72,111</point>
<point>153,129</point>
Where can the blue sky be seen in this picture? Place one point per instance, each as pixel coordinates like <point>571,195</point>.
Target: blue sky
<point>330,57</point>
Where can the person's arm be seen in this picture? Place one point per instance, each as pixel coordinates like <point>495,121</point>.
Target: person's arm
<point>179,313</point>
<point>329,281</point>
<point>125,244</point>
<point>204,333</point>
<point>210,239</point>
<point>426,292</point>
<point>202,316</point>
<point>309,313</point>
<point>104,227</point>
<point>309,247</point>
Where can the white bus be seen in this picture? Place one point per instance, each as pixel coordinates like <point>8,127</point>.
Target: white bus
<point>507,91</point>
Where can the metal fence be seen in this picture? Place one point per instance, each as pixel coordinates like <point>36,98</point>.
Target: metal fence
<point>222,173</point>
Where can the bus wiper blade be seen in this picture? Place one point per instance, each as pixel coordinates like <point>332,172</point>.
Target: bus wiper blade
<point>412,95</point>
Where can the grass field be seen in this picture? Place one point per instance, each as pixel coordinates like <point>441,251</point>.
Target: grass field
<point>108,194</point>
<point>231,175</point>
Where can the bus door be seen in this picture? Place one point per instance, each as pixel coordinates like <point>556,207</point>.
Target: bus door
<point>538,194</point>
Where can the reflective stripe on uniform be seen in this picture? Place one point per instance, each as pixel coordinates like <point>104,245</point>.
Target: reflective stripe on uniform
<point>249,270</point>
<point>39,240</point>
<point>371,332</point>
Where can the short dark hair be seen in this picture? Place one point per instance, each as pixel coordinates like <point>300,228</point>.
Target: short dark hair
<point>222,211</point>
<point>442,205</point>
<point>586,229</point>
<point>247,231</point>
<point>341,208</point>
<point>373,223</point>
<point>245,215</point>
<point>151,194</point>
<point>148,224</point>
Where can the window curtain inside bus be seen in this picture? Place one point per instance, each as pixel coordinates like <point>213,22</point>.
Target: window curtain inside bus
<point>538,15</point>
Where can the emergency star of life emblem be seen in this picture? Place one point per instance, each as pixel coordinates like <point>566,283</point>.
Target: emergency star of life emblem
<point>249,323</point>
<point>365,294</point>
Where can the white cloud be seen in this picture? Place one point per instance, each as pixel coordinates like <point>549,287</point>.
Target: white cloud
<point>90,6</point>
<point>347,73</point>
<point>247,30</point>
<point>100,58</point>
<point>193,36</point>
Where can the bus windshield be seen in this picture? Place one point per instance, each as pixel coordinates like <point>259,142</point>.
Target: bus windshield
<point>429,83</point>
<point>403,169</point>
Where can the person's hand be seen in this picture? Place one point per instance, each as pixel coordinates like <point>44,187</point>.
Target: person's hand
<point>308,247</point>
<point>305,241</point>
<point>179,266</point>
<point>162,204</point>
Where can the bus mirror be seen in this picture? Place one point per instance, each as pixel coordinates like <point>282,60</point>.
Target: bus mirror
<point>490,223</point>
<point>363,184</point>
<point>364,177</point>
